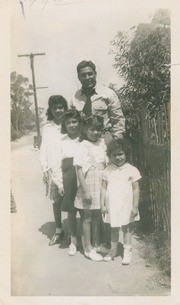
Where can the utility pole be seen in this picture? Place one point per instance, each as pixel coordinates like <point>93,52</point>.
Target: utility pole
<point>31,55</point>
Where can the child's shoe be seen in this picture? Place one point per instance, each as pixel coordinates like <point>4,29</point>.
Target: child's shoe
<point>127,255</point>
<point>93,255</point>
<point>72,249</point>
<point>57,237</point>
<point>112,253</point>
<point>110,256</point>
<point>97,249</point>
<point>101,249</point>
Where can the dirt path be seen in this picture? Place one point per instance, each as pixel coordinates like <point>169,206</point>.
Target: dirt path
<point>40,270</point>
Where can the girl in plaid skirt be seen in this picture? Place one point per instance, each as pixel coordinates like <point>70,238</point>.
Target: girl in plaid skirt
<point>90,160</point>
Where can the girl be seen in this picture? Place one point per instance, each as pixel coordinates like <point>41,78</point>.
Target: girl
<point>120,197</point>
<point>90,161</point>
<point>51,134</point>
<point>63,171</point>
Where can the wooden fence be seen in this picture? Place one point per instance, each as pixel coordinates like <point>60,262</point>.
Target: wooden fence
<point>151,154</point>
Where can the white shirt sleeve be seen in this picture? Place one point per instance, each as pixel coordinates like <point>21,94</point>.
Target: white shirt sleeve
<point>79,156</point>
<point>56,168</point>
<point>104,174</point>
<point>43,151</point>
<point>135,174</point>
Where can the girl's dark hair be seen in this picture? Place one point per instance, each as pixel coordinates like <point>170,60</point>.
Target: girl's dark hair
<point>94,121</point>
<point>84,64</point>
<point>71,113</point>
<point>122,144</point>
<point>53,100</point>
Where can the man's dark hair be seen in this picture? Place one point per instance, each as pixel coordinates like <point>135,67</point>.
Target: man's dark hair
<point>53,100</point>
<point>84,64</point>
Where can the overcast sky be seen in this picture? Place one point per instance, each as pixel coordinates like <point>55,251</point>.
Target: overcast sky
<point>69,33</point>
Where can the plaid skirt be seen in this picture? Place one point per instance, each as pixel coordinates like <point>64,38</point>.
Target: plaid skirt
<point>93,179</point>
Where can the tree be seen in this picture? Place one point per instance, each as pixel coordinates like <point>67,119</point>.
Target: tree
<point>22,112</point>
<point>142,56</point>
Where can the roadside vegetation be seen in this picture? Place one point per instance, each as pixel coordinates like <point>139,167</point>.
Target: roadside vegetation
<point>23,118</point>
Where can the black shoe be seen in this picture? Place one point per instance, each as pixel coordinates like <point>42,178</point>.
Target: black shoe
<point>56,238</point>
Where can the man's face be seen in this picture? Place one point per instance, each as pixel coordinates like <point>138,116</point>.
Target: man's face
<point>87,77</point>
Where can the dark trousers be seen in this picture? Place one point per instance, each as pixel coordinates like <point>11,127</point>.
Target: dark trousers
<point>57,212</point>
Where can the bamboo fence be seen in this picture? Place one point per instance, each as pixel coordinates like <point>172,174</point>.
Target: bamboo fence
<point>151,154</point>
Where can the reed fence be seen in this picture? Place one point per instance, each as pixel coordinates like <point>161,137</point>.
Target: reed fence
<point>151,154</point>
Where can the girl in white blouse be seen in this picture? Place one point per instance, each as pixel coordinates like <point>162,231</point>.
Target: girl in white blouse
<point>90,161</point>
<point>51,134</point>
<point>64,173</point>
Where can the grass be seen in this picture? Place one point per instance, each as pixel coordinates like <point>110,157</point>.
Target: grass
<point>156,250</point>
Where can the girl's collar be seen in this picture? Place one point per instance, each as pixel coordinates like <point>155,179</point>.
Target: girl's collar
<point>121,167</point>
<point>54,124</point>
<point>94,143</point>
<point>65,136</point>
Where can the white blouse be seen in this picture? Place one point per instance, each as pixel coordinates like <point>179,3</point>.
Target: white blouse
<point>90,154</point>
<point>65,148</point>
<point>50,136</point>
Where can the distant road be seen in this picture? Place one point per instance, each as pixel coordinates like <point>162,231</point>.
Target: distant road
<point>23,141</point>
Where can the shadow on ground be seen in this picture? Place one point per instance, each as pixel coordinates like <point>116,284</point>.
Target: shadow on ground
<point>48,230</point>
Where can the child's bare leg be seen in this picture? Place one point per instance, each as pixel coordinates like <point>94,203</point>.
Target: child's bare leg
<point>127,236</point>
<point>127,233</point>
<point>115,234</point>
<point>87,230</point>
<point>96,227</point>
<point>114,244</point>
<point>73,226</point>
<point>81,212</point>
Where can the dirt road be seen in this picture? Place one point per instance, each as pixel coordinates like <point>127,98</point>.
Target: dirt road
<point>40,270</point>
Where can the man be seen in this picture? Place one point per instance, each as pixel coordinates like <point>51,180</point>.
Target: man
<point>93,99</point>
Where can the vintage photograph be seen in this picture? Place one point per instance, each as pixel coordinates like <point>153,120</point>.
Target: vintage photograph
<point>90,91</point>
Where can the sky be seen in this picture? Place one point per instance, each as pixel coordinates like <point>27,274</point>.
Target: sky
<point>69,31</point>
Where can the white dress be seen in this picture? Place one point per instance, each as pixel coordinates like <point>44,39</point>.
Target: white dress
<point>119,194</point>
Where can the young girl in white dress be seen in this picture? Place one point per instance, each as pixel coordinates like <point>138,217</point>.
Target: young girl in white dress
<point>91,161</point>
<point>64,173</point>
<point>120,198</point>
<point>51,134</point>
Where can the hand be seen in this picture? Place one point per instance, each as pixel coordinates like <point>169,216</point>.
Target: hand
<point>87,198</point>
<point>61,191</point>
<point>134,212</point>
<point>104,210</point>
<point>118,137</point>
<point>46,177</point>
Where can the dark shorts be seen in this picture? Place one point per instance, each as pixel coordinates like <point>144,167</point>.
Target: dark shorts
<point>70,184</point>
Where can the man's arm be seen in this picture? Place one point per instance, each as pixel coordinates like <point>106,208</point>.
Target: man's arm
<point>116,115</point>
